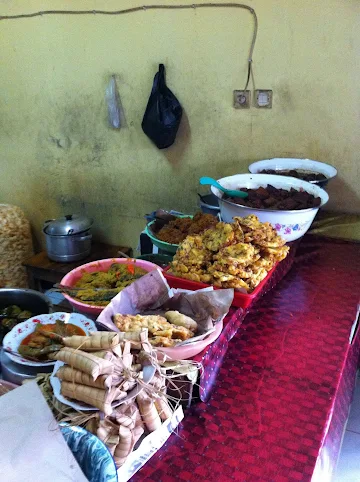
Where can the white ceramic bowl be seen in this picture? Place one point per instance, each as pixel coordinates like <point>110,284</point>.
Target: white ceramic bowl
<point>284,163</point>
<point>290,225</point>
<point>14,338</point>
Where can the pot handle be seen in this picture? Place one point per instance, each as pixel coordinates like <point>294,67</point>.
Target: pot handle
<point>84,238</point>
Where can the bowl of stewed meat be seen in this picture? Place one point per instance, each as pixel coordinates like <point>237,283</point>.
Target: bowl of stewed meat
<point>315,172</point>
<point>288,204</point>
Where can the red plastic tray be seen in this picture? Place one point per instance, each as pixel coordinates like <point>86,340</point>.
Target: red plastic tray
<point>241,300</point>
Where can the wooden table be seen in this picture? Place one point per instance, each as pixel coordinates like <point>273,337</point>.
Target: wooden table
<point>41,270</point>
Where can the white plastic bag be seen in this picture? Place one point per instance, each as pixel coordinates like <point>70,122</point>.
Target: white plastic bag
<point>114,104</point>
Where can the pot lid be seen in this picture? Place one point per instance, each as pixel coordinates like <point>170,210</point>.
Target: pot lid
<point>68,225</point>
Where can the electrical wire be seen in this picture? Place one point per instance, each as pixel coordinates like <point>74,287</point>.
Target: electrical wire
<point>142,8</point>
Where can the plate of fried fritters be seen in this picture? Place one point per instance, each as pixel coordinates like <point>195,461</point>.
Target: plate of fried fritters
<point>235,255</point>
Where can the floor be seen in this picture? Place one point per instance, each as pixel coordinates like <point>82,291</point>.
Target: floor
<point>348,468</point>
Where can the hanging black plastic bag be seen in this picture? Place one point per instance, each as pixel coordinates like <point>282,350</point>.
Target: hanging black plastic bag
<point>163,113</point>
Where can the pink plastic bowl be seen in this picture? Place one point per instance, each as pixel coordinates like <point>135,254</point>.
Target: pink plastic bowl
<point>102,265</point>
<point>192,349</point>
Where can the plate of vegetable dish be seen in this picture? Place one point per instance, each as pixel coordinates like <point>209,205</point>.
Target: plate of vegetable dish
<point>33,341</point>
<point>91,287</point>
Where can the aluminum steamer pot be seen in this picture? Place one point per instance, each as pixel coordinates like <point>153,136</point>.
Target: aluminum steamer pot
<point>68,239</point>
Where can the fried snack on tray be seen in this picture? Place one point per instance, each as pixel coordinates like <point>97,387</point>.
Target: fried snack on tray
<point>237,255</point>
<point>161,332</point>
<point>215,239</point>
<point>179,319</point>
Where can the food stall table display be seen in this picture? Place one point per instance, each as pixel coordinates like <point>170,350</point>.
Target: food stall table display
<point>282,394</point>
<point>275,377</point>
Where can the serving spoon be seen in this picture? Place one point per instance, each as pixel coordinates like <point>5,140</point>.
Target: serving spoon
<point>15,353</point>
<point>209,181</point>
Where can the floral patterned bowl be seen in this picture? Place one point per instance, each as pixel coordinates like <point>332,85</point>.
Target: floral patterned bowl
<point>290,225</point>
<point>13,339</point>
<point>91,454</point>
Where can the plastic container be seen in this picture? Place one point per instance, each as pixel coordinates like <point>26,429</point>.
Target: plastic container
<point>167,247</point>
<point>102,265</point>
<point>241,300</point>
<point>209,204</point>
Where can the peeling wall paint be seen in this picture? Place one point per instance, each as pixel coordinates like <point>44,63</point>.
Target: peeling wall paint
<point>59,155</point>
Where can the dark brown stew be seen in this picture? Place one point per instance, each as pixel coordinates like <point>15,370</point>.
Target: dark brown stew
<point>304,175</point>
<point>276,199</point>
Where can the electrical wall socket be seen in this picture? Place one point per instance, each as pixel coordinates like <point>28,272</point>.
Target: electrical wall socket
<point>242,99</point>
<point>263,98</point>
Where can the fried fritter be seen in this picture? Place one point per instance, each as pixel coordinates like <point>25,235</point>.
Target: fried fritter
<point>240,253</point>
<point>221,236</point>
<point>163,341</point>
<point>278,253</point>
<point>266,263</point>
<point>275,242</point>
<point>200,276</point>
<point>227,267</point>
<point>232,282</point>
<point>257,278</point>
<point>237,255</point>
<point>193,250</point>
<point>157,326</point>
<point>136,322</point>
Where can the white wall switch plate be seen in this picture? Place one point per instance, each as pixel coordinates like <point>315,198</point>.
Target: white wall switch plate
<point>242,99</point>
<point>263,98</point>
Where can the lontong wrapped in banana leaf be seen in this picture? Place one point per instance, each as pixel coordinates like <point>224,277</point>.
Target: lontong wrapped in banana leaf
<point>103,376</point>
<point>86,362</point>
<point>101,399</point>
<point>148,411</point>
<point>128,439</point>
<point>108,432</point>
<point>127,415</point>
<point>99,340</point>
<point>70,374</point>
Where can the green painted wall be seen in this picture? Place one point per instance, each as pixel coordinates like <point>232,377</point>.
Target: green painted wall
<point>58,154</point>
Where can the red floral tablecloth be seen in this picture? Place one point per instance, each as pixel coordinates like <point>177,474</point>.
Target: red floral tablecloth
<point>282,394</point>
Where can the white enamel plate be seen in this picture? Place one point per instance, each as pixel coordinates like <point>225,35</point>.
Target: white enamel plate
<point>148,373</point>
<point>14,338</point>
